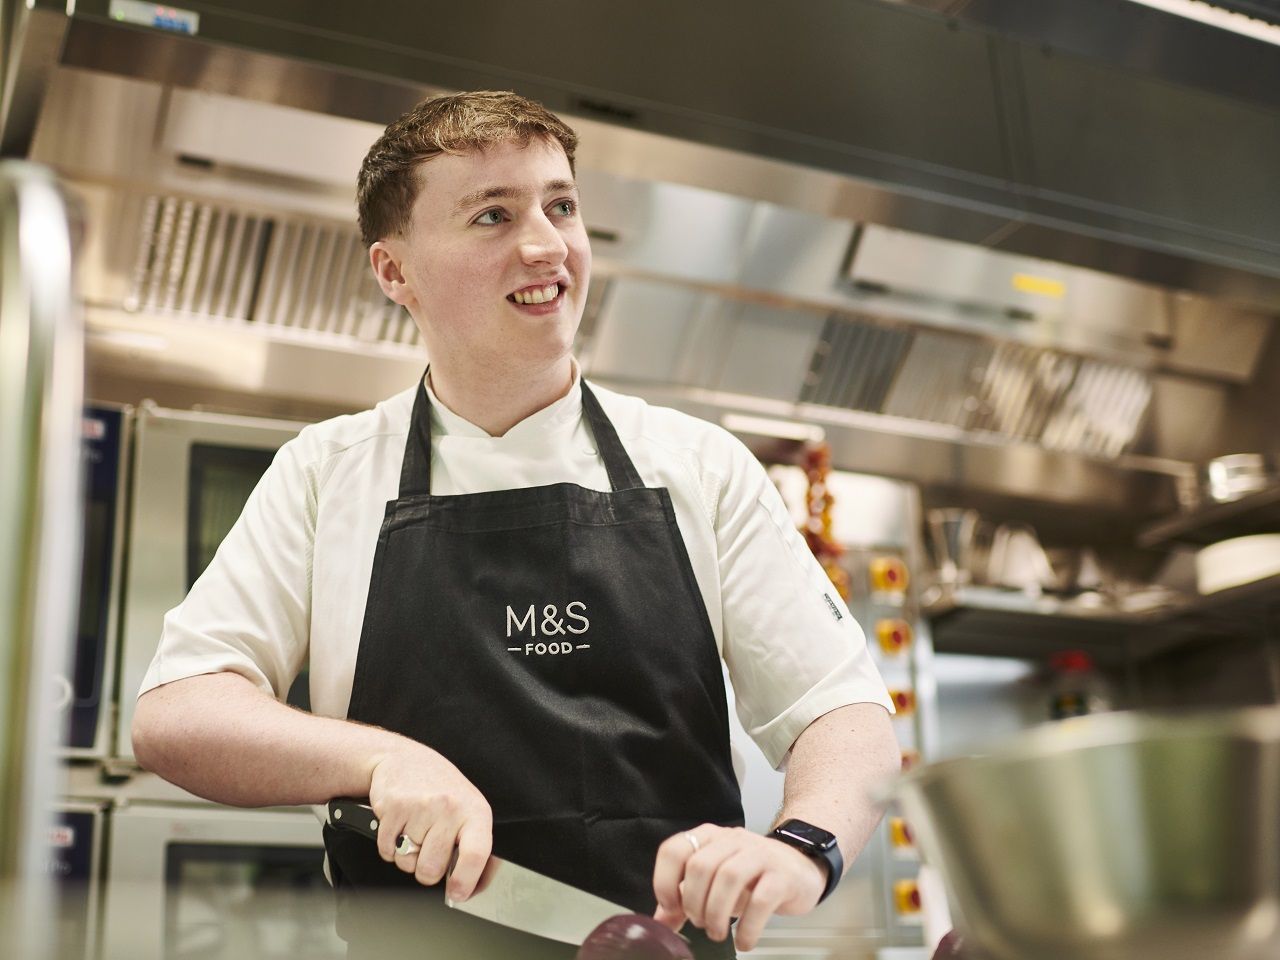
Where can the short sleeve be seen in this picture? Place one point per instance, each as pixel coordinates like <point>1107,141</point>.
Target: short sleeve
<point>793,650</point>
<point>249,612</point>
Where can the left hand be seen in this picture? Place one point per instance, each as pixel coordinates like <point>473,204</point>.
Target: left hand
<point>733,872</point>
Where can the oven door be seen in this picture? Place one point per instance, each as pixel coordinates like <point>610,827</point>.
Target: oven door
<point>74,861</point>
<point>217,884</point>
<point>87,684</point>
<point>193,473</point>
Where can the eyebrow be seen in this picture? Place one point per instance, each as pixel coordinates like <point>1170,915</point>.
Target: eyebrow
<point>508,193</point>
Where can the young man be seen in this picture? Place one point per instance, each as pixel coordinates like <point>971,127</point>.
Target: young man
<point>516,589</point>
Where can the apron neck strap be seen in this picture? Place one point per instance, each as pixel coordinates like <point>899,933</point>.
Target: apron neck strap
<point>622,472</point>
<point>415,469</point>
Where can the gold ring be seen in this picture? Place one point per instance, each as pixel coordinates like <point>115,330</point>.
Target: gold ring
<point>693,841</point>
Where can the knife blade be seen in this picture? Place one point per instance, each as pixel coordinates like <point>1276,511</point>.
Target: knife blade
<point>507,893</point>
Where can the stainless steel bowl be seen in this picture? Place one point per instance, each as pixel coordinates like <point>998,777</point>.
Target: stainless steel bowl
<point>1112,837</point>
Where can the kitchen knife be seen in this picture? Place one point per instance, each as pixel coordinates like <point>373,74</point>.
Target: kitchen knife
<point>507,893</point>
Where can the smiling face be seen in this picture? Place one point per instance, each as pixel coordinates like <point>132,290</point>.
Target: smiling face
<point>495,262</point>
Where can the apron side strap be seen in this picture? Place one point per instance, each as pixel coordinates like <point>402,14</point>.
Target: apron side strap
<point>617,462</point>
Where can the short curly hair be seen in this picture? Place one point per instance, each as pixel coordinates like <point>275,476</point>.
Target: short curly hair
<point>388,182</point>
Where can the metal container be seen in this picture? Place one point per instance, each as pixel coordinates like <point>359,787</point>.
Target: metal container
<point>1114,837</point>
<point>951,535</point>
<point>1233,476</point>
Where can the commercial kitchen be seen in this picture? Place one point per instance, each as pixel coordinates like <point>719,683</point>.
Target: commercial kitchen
<point>990,289</point>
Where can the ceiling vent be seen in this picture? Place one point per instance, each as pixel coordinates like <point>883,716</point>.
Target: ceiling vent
<point>210,261</point>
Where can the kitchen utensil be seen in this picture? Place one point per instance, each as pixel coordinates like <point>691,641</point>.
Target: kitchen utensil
<point>951,533</point>
<point>1240,560</point>
<point>507,893</point>
<point>1112,837</point>
<point>1237,474</point>
<point>1017,560</point>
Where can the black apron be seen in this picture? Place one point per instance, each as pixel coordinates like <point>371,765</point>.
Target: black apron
<point>551,642</point>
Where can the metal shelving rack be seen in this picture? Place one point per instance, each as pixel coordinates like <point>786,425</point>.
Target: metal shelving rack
<point>1255,513</point>
<point>988,621</point>
<point>998,623</point>
<point>994,622</point>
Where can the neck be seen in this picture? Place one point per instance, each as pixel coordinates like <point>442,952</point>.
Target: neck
<point>496,401</point>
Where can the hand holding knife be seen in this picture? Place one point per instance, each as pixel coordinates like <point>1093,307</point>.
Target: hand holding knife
<point>507,893</point>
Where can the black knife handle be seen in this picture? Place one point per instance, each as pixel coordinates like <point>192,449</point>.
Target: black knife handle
<point>347,814</point>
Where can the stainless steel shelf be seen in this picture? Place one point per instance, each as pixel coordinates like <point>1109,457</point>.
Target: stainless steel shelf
<point>1255,604</point>
<point>1256,513</point>
<point>1002,623</point>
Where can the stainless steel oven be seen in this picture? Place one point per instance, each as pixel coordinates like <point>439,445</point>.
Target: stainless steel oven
<point>199,883</point>
<point>193,473</point>
<point>74,860</point>
<point>86,687</point>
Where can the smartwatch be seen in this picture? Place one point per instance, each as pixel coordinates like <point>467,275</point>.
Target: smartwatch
<point>816,843</point>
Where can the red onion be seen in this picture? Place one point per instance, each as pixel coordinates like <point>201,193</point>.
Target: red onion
<point>949,946</point>
<point>633,936</point>
<point>954,947</point>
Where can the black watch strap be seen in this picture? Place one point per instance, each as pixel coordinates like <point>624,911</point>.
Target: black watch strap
<point>816,843</point>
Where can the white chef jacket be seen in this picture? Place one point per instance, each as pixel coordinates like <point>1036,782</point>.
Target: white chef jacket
<point>292,577</point>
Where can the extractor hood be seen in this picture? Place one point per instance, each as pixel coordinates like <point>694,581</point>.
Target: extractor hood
<point>853,109</point>
<point>229,261</point>
<point>224,269</point>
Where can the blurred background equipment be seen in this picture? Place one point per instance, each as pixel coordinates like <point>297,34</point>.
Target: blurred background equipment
<point>1124,835</point>
<point>41,390</point>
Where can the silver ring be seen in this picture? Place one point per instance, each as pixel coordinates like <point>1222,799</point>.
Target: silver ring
<point>405,846</point>
<point>693,841</point>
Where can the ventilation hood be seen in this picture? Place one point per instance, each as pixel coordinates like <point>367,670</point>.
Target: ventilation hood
<point>865,111</point>
<point>224,257</point>
<point>727,282</point>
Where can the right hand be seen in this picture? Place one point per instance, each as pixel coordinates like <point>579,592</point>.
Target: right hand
<point>418,793</point>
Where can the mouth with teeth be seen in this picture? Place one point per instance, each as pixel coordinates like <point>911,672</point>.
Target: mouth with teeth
<point>547,296</point>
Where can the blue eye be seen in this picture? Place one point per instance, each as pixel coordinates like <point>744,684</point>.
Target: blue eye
<point>490,218</point>
<point>566,208</point>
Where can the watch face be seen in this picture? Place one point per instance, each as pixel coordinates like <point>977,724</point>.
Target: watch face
<point>807,833</point>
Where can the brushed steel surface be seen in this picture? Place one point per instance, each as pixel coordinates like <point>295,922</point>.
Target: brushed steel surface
<point>518,897</point>
<point>742,312</point>
<point>1134,37</point>
<point>34,33</point>
<point>41,410</point>
<point>950,148</point>
<point>156,574</point>
<point>1143,837</point>
<point>140,907</point>
<point>1119,490</point>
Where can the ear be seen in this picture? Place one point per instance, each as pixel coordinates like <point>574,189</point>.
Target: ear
<point>385,260</point>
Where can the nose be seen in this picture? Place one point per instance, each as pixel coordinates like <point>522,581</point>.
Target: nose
<point>541,242</point>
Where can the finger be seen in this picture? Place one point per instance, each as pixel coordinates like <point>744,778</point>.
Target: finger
<point>437,848</point>
<point>699,874</point>
<point>475,843</point>
<point>765,899</point>
<point>390,829</point>
<point>734,878</point>
<point>700,869</point>
<point>415,830</point>
<point>672,919</point>
<point>668,870</point>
